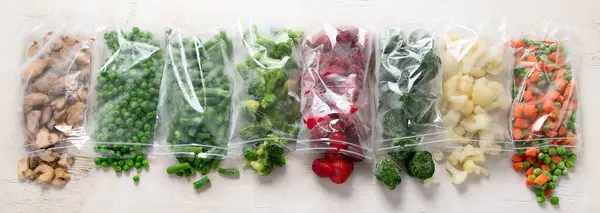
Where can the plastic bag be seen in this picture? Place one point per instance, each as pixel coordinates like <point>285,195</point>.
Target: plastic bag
<point>408,98</point>
<point>195,100</point>
<point>267,108</point>
<point>544,113</point>
<point>127,92</point>
<point>55,81</point>
<point>336,98</point>
<point>475,95</point>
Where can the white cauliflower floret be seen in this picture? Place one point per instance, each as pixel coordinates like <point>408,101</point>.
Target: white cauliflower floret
<point>457,102</point>
<point>465,85</point>
<point>450,65</point>
<point>495,64</point>
<point>449,87</point>
<point>437,156</point>
<point>459,130</point>
<point>470,167</point>
<point>467,108</point>
<point>451,118</point>
<point>477,122</point>
<point>478,72</point>
<point>468,151</point>
<point>482,94</point>
<point>454,156</point>
<point>478,110</point>
<point>473,58</point>
<point>458,177</point>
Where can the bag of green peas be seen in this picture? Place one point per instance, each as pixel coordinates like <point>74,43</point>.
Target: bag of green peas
<point>195,97</point>
<point>127,89</point>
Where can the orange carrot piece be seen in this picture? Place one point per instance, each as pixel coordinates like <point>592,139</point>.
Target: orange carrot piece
<point>517,43</point>
<point>552,56</point>
<point>529,182</point>
<point>521,123</point>
<point>562,131</point>
<point>517,134</point>
<point>530,111</point>
<point>561,83</point>
<point>527,95</point>
<point>518,110</point>
<point>534,77</point>
<point>559,74</point>
<point>529,171</point>
<point>552,95</point>
<point>548,106</point>
<point>532,152</point>
<point>545,167</point>
<point>551,134</point>
<point>560,99</point>
<point>531,58</point>
<point>518,166</point>
<point>518,158</point>
<point>541,179</point>
<point>548,67</point>
<point>556,158</point>
<point>548,192</point>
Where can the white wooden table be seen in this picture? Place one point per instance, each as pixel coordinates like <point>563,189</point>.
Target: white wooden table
<point>294,188</point>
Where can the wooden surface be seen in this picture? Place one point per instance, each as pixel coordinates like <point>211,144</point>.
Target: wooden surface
<point>294,188</point>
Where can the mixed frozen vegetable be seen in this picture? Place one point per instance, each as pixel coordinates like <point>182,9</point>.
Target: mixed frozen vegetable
<point>335,99</point>
<point>543,115</point>
<point>408,103</point>
<point>198,97</point>
<point>475,103</point>
<point>127,97</point>
<point>269,110</point>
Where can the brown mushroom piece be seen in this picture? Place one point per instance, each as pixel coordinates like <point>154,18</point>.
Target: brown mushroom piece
<point>46,115</point>
<point>22,167</point>
<point>60,177</point>
<point>44,173</point>
<point>35,99</point>
<point>75,114</point>
<point>82,59</point>
<point>33,69</point>
<point>66,162</point>
<point>59,103</point>
<point>44,83</point>
<point>48,156</point>
<point>42,139</point>
<point>82,94</point>
<point>34,161</point>
<point>33,49</point>
<point>58,87</point>
<point>29,174</point>
<point>33,121</point>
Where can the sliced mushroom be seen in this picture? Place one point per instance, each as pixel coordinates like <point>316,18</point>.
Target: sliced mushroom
<point>60,116</point>
<point>82,94</point>
<point>33,49</point>
<point>44,83</point>
<point>59,103</point>
<point>46,115</point>
<point>41,139</point>
<point>35,99</point>
<point>65,53</point>
<point>29,174</point>
<point>50,124</point>
<point>34,161</point>
<point>33,69</point>
<point>82,59</point>
<point>44,173</point>
<point>75,113</point>
<point>33,121</point>
<point>60,177</point>
<point>22,168</point>
<point>48,156</point>
<point>66,162</point>
<point>58,87</point>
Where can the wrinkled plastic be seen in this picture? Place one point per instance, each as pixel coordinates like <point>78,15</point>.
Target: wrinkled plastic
<point>475,96</point>
<point>127,91</point>
<point>266,110</point>
<point>336,92</point>
<point>409,95</point>
<point>195,99</point>
<point>55,80</point>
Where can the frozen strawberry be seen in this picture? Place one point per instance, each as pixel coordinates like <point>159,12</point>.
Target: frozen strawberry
<point>322,41</point>
<point>334,69</point>
<point>338,125</point>
<point>334,155</point>
<point>337,140</point>
<point>319,131</point>
<point>347,35</point>
<point>342,169</point>
<point>322,167</point>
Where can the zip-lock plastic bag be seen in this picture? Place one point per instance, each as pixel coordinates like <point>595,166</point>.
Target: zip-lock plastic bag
<point>55,81</point>
<point>476,97</point>
<point>408,98</point>
<point>126,91</point>
<point>195,100</point>
<point>544,115</point>
<point>266,104</point>
<point>337,99</point>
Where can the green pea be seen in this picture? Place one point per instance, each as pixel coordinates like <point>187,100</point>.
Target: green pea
<point>145,163</point>
<point>139,158</point>
<point>547,160</point>
<point>561,165</point>
<point>118,169</point>
<point>573,156</point>
<point>552,151</point>
<point>537,171</point>
<point>121,162</point>
<point>536,165</point>
<point>565,172</point>
<point>552,166</point>
<point>551,185</point>
<point>532,177</point>
<point>541,199</point>
<point>105,164</point>
<point>136,178</point>
<point>98,161</point>
<point>539,192</point>
<point>526,165</point>
<point>554,200</point>
<point>541,156</point>
<point>126,167</point>
<point>570,164</point>
<point>554,178</point>
<point>561,150</point>
<point>544,149</point>
<point>129,162</point>
<point>114,164</point>
<point>557,172</point>
<point>138,165</point>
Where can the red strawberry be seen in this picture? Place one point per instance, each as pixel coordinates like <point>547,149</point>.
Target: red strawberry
<point>322,167</point>
<point>339,125</point>
<point>322,40</point>
<point>337,140</point>
<point>342,170</point>
<point>347,35</point>
<point>334,155</point>
<point>334,69</point>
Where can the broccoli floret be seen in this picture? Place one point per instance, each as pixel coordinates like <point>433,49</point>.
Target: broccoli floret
<point>420,165</point>
<point>403,148</point>
<point>254,132</point>
<point>262,166</point>
<point>267,100</point>
<point>388,173</point>
<point>249,109</point>
<point>296,35</point>
<point>270,152</point>
<point>250,152</point>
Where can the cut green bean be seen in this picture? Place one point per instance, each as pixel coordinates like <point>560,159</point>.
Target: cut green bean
<point>178,167</point>
<point>202,182</point>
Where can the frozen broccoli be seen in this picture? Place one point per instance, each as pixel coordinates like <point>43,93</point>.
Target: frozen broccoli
<point>403,148</point>
<point>263,156</point>
<point>388,173</point>
<point>254,132</point>
<point>420,165</point>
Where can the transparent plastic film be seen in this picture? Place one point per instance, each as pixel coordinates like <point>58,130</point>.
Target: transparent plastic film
<point>266,103</point>
<point>127,92</point>
<point>544,116</point>
<point>475,96</point>
<point>195,100</point>
<point>55,80</point>
<point>336,96</point>
<point>408,97</point>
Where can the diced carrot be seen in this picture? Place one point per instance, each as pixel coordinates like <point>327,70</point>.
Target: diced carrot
<point>517,43</point>
<point>531,58</point>
<point>521,123</point>
<point>532,48</point>
<point>529,182</point>
<point>534,77</point>
<point>556,158</point>
<point>548,106</point>
<point>560,61</point>
<point>532,152</point>
<point>548,67</point>
<point>531,159</point>
<point>518,110</point>
<point>552,56</point>
<point>541,179</point>
<point>529,171</point>
<point>559,74</point>
<point>552,95</point>
<point>527,95</point>
<point>530,111</point>
<point>545,167</point>
<point>548,192</point>
<point>518,158</point>
<point>562,131</point>
<point>560,99</point>
<point>551,134</point>
<point>518,166</point>
<point>517,134</point>
<point>561,83</point>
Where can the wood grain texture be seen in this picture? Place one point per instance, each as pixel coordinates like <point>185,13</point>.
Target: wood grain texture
<point>293,188</point>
